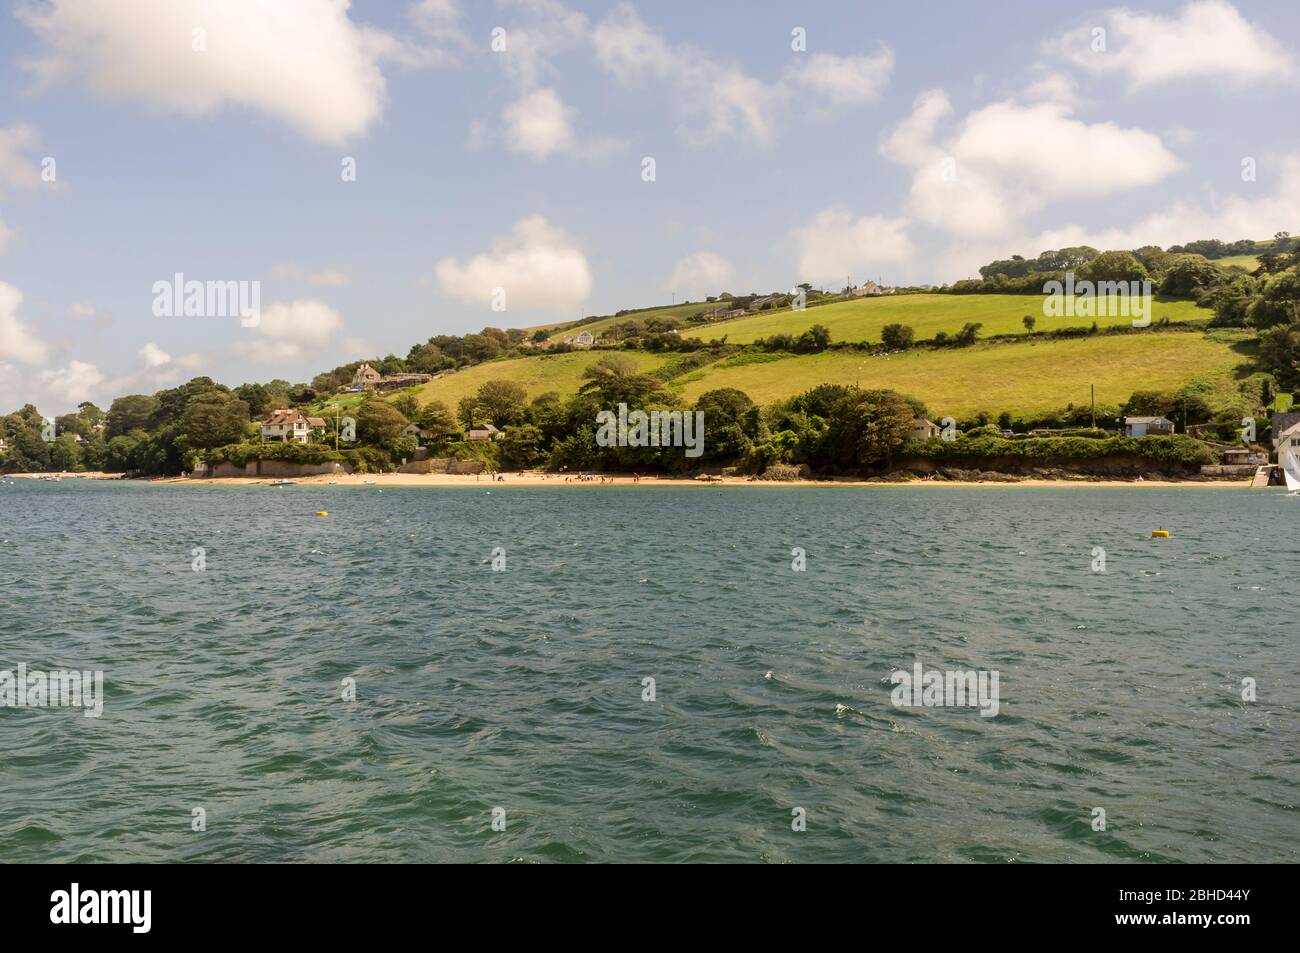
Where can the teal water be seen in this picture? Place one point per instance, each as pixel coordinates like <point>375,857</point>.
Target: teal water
<point>522,689</point>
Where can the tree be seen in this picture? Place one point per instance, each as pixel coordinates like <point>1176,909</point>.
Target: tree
<point>407,404</point>
<point>897,337</point>
<point>436,418</point>
<point>379,422</point>
<point>966,336</point>
<point>866,427</point>
<point>1115,266</point>
<point>501,403</point>
<point>1029,322</point>
<point>125,414</point>
<point>214,420</point>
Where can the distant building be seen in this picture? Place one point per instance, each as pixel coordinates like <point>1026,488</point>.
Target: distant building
<point>486,432</point>
<point>581,339</point>
<point>867,288</point>
<point>366,376</point>
<point>923,429</point>
<point>290,425</point>
<point>1147,426</point>
<point>1241,456</point>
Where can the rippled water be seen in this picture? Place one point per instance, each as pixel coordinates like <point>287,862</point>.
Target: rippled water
<point>522,689</point>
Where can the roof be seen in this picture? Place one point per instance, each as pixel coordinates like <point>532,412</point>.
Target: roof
<point>1147,420</point>
<point>284,416</point>
<point>1293,430</point>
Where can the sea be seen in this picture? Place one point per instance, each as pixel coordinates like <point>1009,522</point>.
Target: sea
<point>624,673</point>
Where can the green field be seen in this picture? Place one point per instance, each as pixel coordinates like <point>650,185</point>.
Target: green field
<point>862,319</point>
<point>596,327</point>
<point>561,373</point>
<point>1024,378</point>
<point>1249,262</point>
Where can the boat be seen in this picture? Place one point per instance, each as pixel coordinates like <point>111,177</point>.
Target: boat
<point>281,483</point>
<point>1291,471</point>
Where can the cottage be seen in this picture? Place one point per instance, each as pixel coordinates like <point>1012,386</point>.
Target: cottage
<point>1288,439</point>
<point>290,425</point>
<point>1147,426</point>
<point>581,339</point>
<point>486,432</point>
<point>923,429</point>
<point>366,376</point>
<point>1282,422</point>
<point>867,288</point>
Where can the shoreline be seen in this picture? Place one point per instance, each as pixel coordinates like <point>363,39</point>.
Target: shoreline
<point>537,479</point>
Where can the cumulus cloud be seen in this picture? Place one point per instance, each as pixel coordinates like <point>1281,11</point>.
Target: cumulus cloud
<point>700,274</point>
<point>72,384</point>
<point>17,341</point>
<point>292,331</point>
<point>539,123</point>
<point>844,80</point>
<point>153,355</point>
<point>1208,39</point>
<point>537,265</point>
<point>1008,160</point>
<point>306,63</point>
<point>836,245</point>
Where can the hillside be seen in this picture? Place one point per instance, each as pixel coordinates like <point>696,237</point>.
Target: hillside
<point>862,318</point>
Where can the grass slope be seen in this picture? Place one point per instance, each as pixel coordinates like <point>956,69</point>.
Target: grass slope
<point>1024,378</point>
<point>561,373</point>
<point>861,320</point>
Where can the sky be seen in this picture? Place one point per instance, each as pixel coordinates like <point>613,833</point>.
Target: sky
<point>387,170</point>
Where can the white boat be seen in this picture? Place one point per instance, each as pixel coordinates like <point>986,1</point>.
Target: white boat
<point>281,483</point>
<point>1291,470</point>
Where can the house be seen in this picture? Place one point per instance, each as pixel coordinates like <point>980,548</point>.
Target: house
<point>774,300</point>
<point>290,425</point>
<point>867,288</point>
<point>419,433</point>
<point>1147,426</point>
<point>923,429</point>
<point>581,339</point>
<point>486,432</point>
<point>366,376</point>
<point>1243,456</point>
<point>1282,423</point>
<point>1288,439</point>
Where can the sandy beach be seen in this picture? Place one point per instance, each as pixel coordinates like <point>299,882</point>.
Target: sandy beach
<point>537,479</point>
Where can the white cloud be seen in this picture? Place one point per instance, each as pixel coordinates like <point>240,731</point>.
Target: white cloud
<point>1008,160</point>
<point>307,62</point>
<point>537,265</point>
<point>1208,39</point>
<point>331,277</point>
<point>72,384</point>
<point>153,355</point>
<point>720,99</point>
<point>15,168</point>
<point>703,273</point>
<point>837,245</point>
<point>17,341</point>
<point>538,123</point>
<point>292,331</point>
<point>844,80</point>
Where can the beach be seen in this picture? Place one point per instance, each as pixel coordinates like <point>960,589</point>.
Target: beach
<point>538,479</point>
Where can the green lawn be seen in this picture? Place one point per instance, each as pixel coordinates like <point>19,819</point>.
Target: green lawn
<point>561,373</point>
<point>862,319</point>
<point>1024,378</point>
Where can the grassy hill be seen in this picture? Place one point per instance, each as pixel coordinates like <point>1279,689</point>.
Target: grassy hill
<point>599,324</point>
<point>561,373</point>
<point>862,319</point>
<point>1024,378</point>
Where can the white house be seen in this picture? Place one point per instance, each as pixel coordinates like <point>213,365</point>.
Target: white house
<point>581,339</point>
<point>1288,439</point>
<point>923,429</point>
<point>290,426</point>
<point>1147,426</point>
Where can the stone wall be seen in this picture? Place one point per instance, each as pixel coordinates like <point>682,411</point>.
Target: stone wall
<point>442,465</point>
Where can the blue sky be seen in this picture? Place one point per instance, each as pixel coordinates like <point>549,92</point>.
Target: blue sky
<point>905,141</point>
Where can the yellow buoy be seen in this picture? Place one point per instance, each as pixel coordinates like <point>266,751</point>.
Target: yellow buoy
<point>1163,533</point>
<point>326,513</point>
